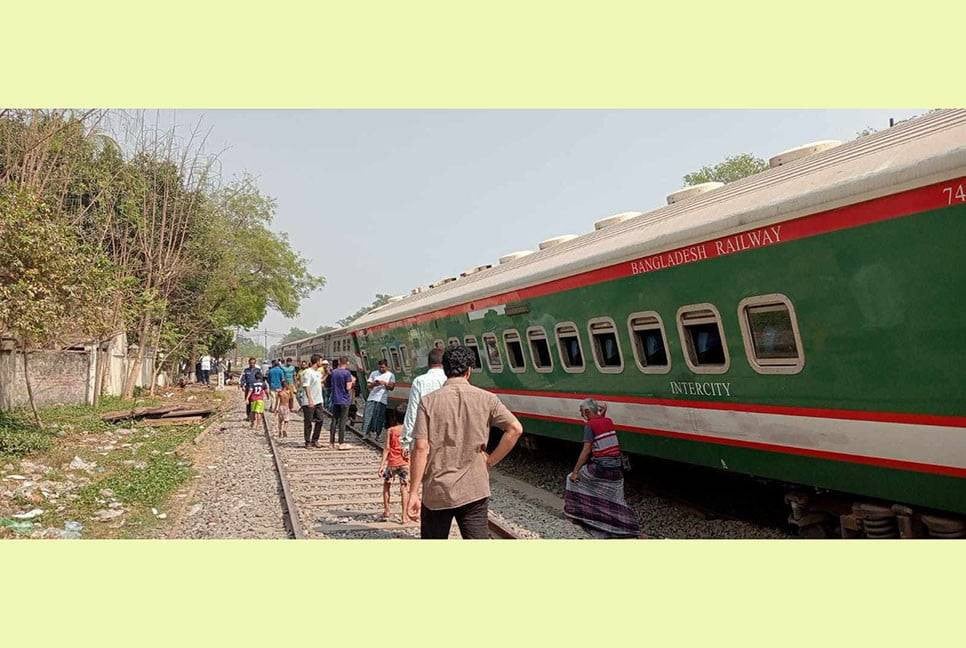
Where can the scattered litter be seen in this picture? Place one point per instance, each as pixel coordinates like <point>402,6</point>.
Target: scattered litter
<point>115,505</point>
<point>154,511</point>
<point>106,492</point>
<point>195,509</point>
<point>107,514</point>
<point>162,516</point>
<point>79,464</point>
<point>17,477</point>
<point>72,530</point>
<point>17,526</point>
<point>29,515</point>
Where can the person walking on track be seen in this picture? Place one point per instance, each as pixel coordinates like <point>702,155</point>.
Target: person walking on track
<point>276,378</point>
<point>394,466</point>
<point>206,369</point>
<point>342,384</point>
<point>288,373</point>
<point>312,410</point>
<point>594,495</point>
<point>256,396</point>
<point>381,382</point>
<point>449,457</point>
<point>247,380</point>
<point>327,384</point>
<point>422,386</point>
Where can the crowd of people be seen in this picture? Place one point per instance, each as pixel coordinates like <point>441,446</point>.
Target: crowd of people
<point>438,453</point>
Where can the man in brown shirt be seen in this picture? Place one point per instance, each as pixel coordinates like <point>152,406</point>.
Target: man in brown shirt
<point>449,455</point>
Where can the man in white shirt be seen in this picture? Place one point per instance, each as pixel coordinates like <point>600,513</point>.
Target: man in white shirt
<point>312,409</point>
<point>381,382</point>
<point>423,385</point>
<point>206,369</point>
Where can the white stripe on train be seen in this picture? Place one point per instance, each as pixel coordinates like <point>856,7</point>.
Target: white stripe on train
<point>927,444</point>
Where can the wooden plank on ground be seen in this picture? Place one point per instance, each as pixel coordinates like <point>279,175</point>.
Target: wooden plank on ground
<point>162,422</point>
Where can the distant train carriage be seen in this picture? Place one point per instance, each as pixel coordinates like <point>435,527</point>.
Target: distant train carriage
<point>803,324</point>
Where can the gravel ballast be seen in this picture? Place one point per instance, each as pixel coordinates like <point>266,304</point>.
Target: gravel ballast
<point>236,493</point>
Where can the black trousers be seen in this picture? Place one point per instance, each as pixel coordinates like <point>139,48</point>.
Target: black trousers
<point>471,519</point>
<point>312,422</point>
<point>340,416</point>
<point>206,376</point>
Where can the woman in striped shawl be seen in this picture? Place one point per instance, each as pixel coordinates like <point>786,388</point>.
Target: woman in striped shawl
<point>595,489</point>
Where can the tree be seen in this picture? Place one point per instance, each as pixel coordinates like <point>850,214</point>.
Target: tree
<point>324,328</point>
<point>293,334</point>
<point>731,169</point>
<point>378,301</point>
<point>53,285</point>
<point>248,348</point>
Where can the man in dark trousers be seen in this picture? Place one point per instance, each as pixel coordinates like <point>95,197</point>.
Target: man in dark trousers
<point>449,457</point>
<point>342,393</point>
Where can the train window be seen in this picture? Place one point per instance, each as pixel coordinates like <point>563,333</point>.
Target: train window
<point>385,355</point>
<point>702,337</point>
<point>472,345</point>
<point>493,359</point>
<point>438,344</point>
<point>453,342</point>
<point>606,346</point>
<point>394,356</point>
<point>514,351</point>
<point>568,343</point>
<point>649,341</point>
<point>365,361</point>
<point>770,331</point>
<point>403,358</point>
<point>540,349</point>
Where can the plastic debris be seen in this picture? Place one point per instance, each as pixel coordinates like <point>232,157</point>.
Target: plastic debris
<point>79,464</point>
<point>17,526</point>
<point>72,530</point>
<point>29,515</point>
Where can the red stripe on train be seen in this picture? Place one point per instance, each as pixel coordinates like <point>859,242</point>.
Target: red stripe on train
<point>870,211</point>
<point>881,462</point>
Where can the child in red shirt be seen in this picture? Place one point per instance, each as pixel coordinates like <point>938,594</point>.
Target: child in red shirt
<point>394,464</point>
<point>257,398</point>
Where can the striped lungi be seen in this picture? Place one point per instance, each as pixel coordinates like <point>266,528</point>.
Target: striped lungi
<point>596,499</point>
<point>374,418</point>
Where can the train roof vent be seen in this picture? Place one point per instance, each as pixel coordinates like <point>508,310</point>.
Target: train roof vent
<point>615,219</point>
<point>444,280</point>
<point>556,240</point>
<point>690,192</point>
<point>479,268</point>
<point>418,289</point>
<point>506,258</point>
<point>801,151</point>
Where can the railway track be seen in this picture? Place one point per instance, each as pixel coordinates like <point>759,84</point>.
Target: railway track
<point>332,493</point>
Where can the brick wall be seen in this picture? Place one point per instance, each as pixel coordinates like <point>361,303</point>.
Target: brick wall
<point>57,377</point>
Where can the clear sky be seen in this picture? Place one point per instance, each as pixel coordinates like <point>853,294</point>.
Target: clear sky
<point>383,201</point>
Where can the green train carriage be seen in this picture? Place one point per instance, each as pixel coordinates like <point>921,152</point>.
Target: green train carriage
<point>803,324</point>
